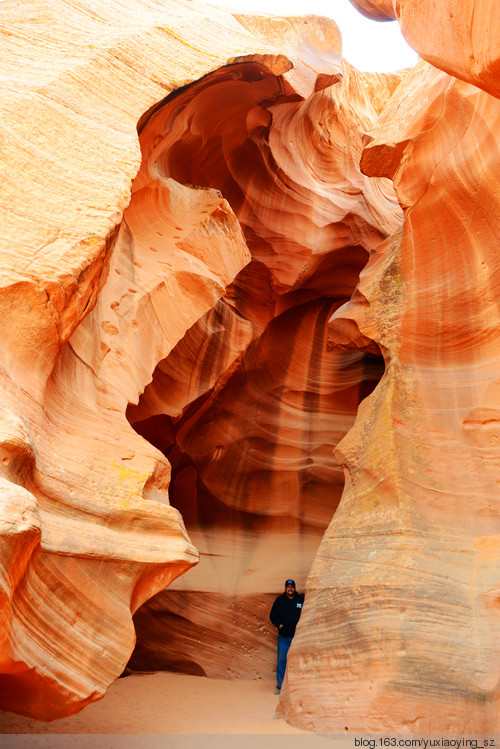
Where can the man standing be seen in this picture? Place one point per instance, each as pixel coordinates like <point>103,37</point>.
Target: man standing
<point>285,614</point>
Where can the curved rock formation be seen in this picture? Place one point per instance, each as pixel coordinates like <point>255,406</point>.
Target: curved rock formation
<point>191,320</point>
<point>87,530</point>
<point>101,280</point>
<point>251,403</point>
<point>460,38</point>
<point>409,565</point>
<point>378,10</point>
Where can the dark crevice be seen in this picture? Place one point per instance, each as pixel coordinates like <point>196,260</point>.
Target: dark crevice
<point>249,406</point>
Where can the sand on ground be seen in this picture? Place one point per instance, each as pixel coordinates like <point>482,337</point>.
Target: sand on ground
<point>169,703</point>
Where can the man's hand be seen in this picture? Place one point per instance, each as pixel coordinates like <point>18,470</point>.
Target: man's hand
<point>280,626</point>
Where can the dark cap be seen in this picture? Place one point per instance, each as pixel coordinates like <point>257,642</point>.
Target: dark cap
<point>290,582</point>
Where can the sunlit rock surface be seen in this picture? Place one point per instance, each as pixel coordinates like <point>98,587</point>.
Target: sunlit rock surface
<point>87,530</point>
<point>460,37</point>
<point>104,271</point>
<point>204,276</point>
<point>401,628</point>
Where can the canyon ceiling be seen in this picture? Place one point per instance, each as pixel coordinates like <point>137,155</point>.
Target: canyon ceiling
<point>250,302</point>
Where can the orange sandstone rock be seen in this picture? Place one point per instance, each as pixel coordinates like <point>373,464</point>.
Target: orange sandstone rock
<point>102,278</point>
<point>461,38</point>
<point>400,632</point>
<point>250,404</point>
<point>191,319</point>
<point>379,10</point>
<point>87,530</point>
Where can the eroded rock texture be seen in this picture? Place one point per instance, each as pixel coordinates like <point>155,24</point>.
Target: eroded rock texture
<point>246,226</point>
<point>191,320</point>
<point>408,571</point>
<point>250,404</point>
<point>461,38</point>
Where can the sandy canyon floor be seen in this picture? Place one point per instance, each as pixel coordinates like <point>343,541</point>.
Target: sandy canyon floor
<point>166,706</point>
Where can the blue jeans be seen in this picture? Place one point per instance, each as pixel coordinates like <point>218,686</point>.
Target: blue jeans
<point>283,648</point>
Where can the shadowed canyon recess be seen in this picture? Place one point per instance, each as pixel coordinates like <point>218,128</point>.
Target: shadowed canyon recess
<point>250,304</point>
<point>249,405</point>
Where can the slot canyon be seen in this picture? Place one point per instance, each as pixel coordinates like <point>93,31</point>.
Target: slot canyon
<point>250,329</point>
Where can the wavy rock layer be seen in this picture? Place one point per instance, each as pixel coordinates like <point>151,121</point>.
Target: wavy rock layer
<point>250,404</point>
<point>102,280</point>
<point>87,530</point>
<point>198,320</point>
<point>410,562</point>
<point>460,38</point>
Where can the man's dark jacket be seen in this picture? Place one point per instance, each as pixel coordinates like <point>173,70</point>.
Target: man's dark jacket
<point>287,611</point>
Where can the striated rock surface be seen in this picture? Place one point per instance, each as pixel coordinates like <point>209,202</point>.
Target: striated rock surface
<point>461,38</point>
<point>211,313</point>
<point>104,271</point>
<point>408,570</point>
<point>89,306</point>
<point>250,404</point>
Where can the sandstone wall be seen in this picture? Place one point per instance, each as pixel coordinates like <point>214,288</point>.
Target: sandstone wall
<point>407,572</point>
<point>212,312</point>
<point>460,38</point>
<point>101,278</point>
<point>250,404</point>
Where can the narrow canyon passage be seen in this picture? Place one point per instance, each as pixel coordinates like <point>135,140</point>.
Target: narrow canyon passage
<point>256,481</point>
<point>226,359</point>
<point>250,404</point>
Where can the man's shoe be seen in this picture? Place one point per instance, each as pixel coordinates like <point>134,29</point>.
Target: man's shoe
<point>277,690</point>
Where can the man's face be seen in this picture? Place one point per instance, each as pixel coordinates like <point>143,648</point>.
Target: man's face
<point>290,590</point>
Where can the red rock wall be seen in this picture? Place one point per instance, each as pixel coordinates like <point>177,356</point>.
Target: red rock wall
<point>250,404</point>
<point>101,279</point>
<point>460,38</point>
<point>228,292</point>
<point>408,569</point>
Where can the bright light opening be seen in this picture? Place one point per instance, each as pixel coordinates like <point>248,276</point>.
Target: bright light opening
<point>368,45</point>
